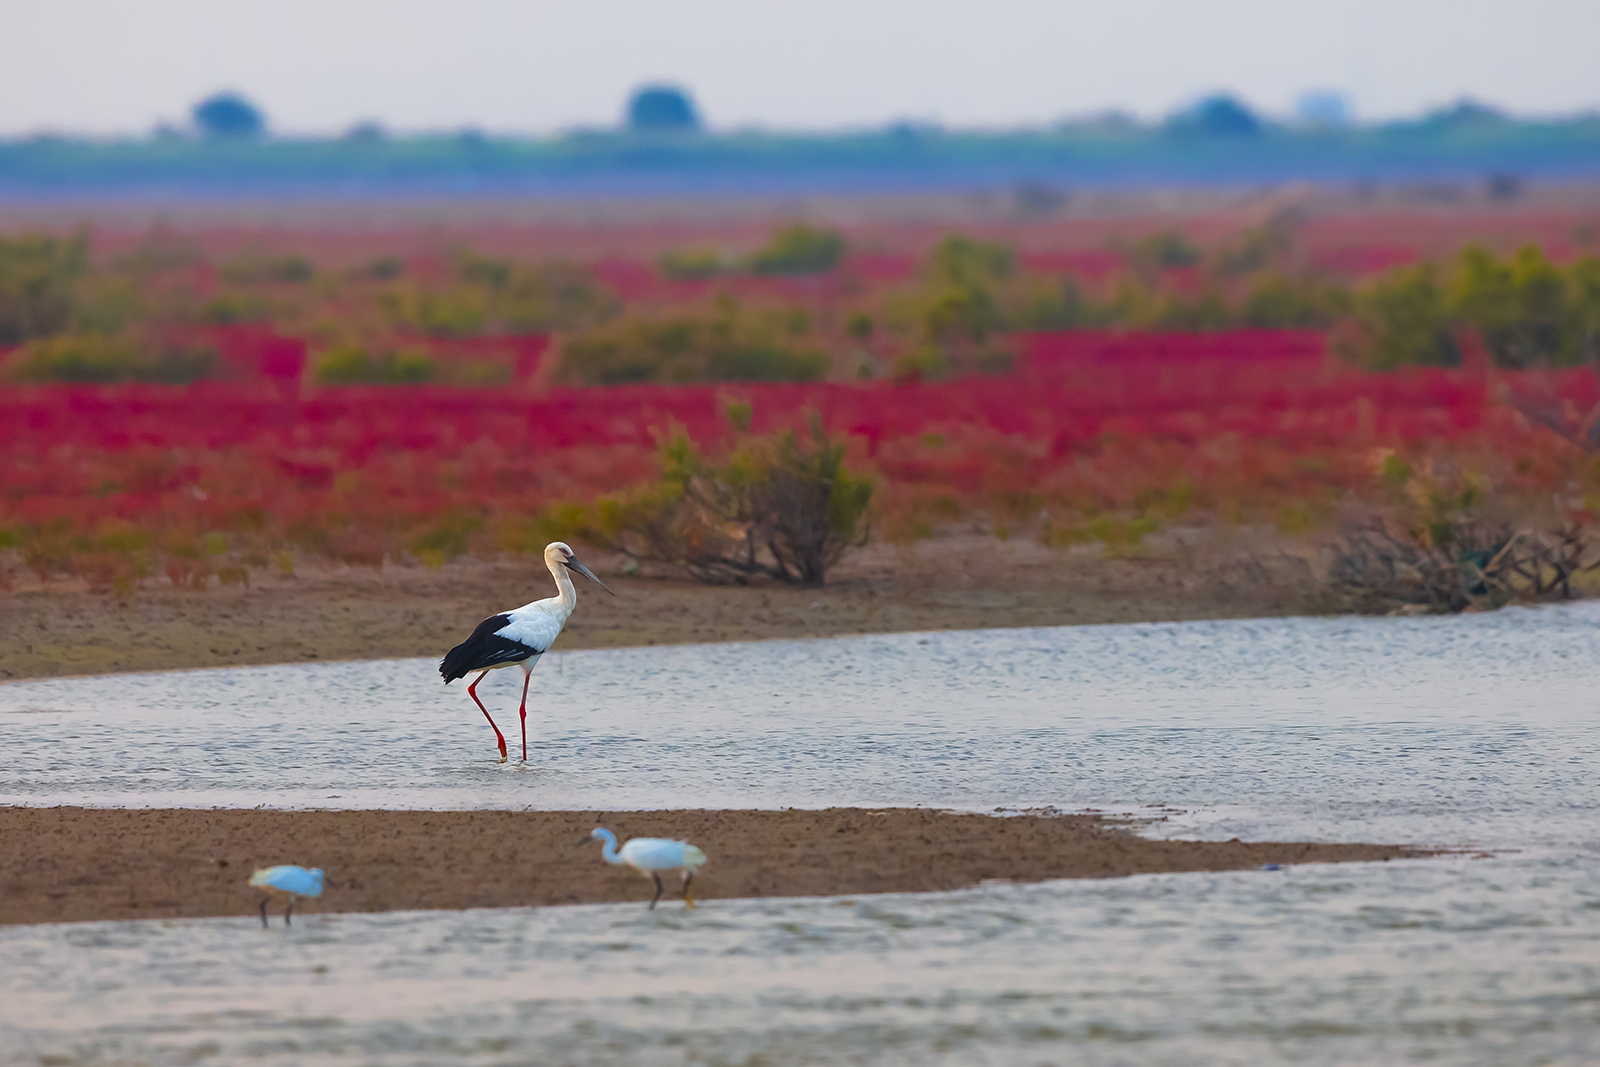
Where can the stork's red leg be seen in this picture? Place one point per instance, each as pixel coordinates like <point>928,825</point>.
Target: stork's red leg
<point>472,691</point>
<point>523,712</point>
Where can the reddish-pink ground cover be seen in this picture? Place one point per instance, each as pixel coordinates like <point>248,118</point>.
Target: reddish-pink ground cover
<point>1241,425</point>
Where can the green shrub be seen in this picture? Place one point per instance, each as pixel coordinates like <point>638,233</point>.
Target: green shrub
<point>98,359</point>
<point>553,296</point>
<point>109,304</point>
<point>495,296</point>
<point>799,250</point>
<point>691,266</point>
<point>38,276</point>
<point>481,270</point>
<point>1281,302</point>
<point>383,268</point>
<point>1121,536</point>
<point>85,359</point>
<point>765,363</point>
<point>529,534</point>
<point>958,327</point>
<point>345,366</point>
<point>447,537</point>
<point>779,507</point>
<point>1406,319</point>
<point>711,348</point>
<point>1527,311</point>
<point>1050,305</point>
<point>256,268</point>
<point>1519,305</point>
<point>960,314</point>
<point>454,313</point>
<point>1165,251</point>
<point>349,365</point>
<point>962,261</point>
<point>227,309</point>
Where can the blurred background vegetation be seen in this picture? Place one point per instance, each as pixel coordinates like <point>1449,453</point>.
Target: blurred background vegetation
<point>789,310</point>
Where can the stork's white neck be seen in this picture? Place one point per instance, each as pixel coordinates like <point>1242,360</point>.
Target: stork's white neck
<point>568,594</point>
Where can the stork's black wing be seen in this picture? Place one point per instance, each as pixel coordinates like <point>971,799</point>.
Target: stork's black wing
<point>484,649</point>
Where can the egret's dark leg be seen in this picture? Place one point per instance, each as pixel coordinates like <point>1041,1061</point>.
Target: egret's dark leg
<point>263,913</point>
<point>289,910</point>
<point>522,711</point>
<point>472,691</point>
<point>659,888</point>
<point>688,876</point>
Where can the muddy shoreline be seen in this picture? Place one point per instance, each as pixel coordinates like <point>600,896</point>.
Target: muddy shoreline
<point>85,864</point>
<point>322,615</point>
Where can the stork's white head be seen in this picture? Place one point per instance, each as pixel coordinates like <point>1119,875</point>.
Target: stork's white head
<point>560,554</point>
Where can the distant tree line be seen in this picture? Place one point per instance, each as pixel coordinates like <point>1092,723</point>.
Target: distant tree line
<point>662,140</point>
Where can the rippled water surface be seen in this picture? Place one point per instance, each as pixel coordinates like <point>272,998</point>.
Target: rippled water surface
<point>1478,732</point>
<point>1462,962</point>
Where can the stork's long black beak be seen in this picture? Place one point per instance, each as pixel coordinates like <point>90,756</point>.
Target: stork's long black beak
<point>572,562</point>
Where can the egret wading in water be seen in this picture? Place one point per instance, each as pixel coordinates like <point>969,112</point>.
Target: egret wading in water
<point>518,638</point>
<point>293,882</point>
<point>650,856</point>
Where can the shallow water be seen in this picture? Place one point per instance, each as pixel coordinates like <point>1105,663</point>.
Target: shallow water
<point>1455,962</point>
<point>1477,731</point>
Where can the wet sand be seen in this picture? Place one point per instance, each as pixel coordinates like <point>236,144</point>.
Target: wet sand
<point>84,864</point>
<point>321,615</point>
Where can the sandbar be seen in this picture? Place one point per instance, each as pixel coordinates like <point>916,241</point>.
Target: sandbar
<point>67,864</point>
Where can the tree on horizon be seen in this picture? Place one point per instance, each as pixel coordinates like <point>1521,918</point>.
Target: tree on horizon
<point>662,107</point>
<point>228,114</point>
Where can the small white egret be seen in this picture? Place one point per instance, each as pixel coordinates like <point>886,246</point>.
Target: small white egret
<point>651,856</point>
<point>518,637</point>
<point>293,882</point>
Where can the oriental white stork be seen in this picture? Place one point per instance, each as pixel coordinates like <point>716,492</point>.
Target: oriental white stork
<point>518,637</point>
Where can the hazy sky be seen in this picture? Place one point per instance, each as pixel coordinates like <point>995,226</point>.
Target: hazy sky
<point>111,66</point>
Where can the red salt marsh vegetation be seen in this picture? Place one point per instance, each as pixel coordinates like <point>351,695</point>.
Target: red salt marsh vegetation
<point>203,411</point>
<point>1093,438</point>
